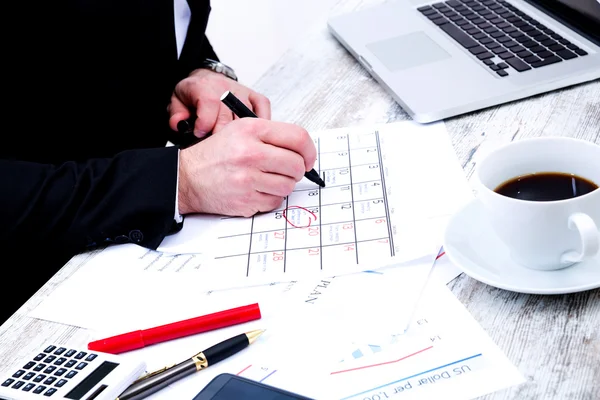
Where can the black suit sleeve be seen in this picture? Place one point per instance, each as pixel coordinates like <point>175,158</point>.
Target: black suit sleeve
<point>77,206</point>
<point>197,46</point>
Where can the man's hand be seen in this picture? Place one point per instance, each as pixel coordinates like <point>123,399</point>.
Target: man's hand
<point>249,167</point>
<point>201,93</point>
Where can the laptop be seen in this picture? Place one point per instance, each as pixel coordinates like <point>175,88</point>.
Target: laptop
<point>446,58</point>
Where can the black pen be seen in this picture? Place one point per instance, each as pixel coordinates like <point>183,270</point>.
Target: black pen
<point>185,127</point>
<point>240,109</point>
<point>155,381</point>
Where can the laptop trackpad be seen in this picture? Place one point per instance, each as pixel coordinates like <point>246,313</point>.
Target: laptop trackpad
<point>407,51</point>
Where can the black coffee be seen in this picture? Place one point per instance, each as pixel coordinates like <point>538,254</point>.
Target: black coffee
<point>546,186</point>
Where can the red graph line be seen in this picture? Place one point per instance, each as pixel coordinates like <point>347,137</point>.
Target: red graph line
<point>383,363</point>
<point>239,373</point>
<point>440,255</point>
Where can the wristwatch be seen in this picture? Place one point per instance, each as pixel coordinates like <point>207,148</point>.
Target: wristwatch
<point>219,67</point>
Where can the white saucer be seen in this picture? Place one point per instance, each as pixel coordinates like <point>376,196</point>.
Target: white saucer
<point>472,245</point>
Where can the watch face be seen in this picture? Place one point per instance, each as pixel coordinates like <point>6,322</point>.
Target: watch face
<point>221,68</point>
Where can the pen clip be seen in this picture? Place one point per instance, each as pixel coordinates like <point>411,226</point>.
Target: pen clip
<point>151,374</point>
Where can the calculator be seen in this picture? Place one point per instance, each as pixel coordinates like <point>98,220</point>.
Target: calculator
<point>57,372</point>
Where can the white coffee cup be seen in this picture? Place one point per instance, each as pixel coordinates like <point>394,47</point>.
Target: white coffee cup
<point>543,235</point>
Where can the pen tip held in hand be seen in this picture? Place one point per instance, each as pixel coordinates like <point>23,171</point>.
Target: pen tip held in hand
<point>314,176</point>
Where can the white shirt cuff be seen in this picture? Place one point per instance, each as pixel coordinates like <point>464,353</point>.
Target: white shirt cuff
<point>178,217</point>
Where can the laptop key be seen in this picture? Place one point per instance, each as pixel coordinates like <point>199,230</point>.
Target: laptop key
<point>546,61</point>
<point>566,54</point>
<point>477,50</point>
<point>457,34</point>
<point>556,47</point>
<point>524,54</point>
<point>517,64</point>
<point>531,59</point>
<point>439,21</point>
<point>580,52</point>
<point>429,12</point>
<point>485,55</point>
<point>537,49</point>
<point>511,44</point>
<point>545,54</point>
<point>434,15</point>
<point>530,43</point>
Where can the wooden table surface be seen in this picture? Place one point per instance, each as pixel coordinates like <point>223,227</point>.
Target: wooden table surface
<point>554,340</point>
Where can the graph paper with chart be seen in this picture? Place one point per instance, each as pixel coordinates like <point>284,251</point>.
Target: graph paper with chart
<point>384,197</point>
<point>445,354</point>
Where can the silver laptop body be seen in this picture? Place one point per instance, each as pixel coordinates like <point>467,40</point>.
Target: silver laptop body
<point>421,57</point>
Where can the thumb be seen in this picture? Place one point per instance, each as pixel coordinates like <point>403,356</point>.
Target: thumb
<point>177,112</point>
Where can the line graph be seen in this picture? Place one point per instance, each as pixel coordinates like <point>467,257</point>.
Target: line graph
<point>382,363</point>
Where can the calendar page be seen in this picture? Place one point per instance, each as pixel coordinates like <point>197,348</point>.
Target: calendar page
<point>389,191</point>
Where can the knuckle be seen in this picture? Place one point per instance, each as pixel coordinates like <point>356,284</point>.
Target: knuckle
<point>299,170</point>
<point>245,181</point>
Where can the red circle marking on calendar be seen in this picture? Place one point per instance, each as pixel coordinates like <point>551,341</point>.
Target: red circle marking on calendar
<point>299,215</point>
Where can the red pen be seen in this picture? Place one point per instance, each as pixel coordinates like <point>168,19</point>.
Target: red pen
<point>141,338</point>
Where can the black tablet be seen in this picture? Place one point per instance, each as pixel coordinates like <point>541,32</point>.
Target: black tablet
<point>233,387</point>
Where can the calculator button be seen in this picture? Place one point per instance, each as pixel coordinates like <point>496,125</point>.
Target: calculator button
<point>18,384</point>
<point>60,361</point>
<point>49,349</point>
<point>49,359</point>
<point>50,380</point>
<point>28,387</point>
<point>70,363</point>
<point>18,373</point>
<point>60,371</point>
<point>91,357</point>
<point>80,355</point>
<point>61,382</point>
<point>39,357</point>
<point>29,365</point>
<point>71,374</point>
<point>60,350</point>
<point>7,382</point>
<point>29,375</point>
<point>70,353</point>
<point>39,367</point>
<point>39,389</point>
<point>39,378</point>
<point>49,370</point>
<point>50,392</point>
<point>81,365</point>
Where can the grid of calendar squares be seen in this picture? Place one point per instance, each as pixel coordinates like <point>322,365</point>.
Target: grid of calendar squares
<point>344,222</point>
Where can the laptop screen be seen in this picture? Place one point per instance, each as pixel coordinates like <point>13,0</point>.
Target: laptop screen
<point>581,15</point>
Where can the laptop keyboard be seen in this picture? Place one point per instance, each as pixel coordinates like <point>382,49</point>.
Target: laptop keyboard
<point>500,35</point>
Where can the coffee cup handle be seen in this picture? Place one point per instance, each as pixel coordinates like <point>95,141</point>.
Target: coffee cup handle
<point>590,239</point>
